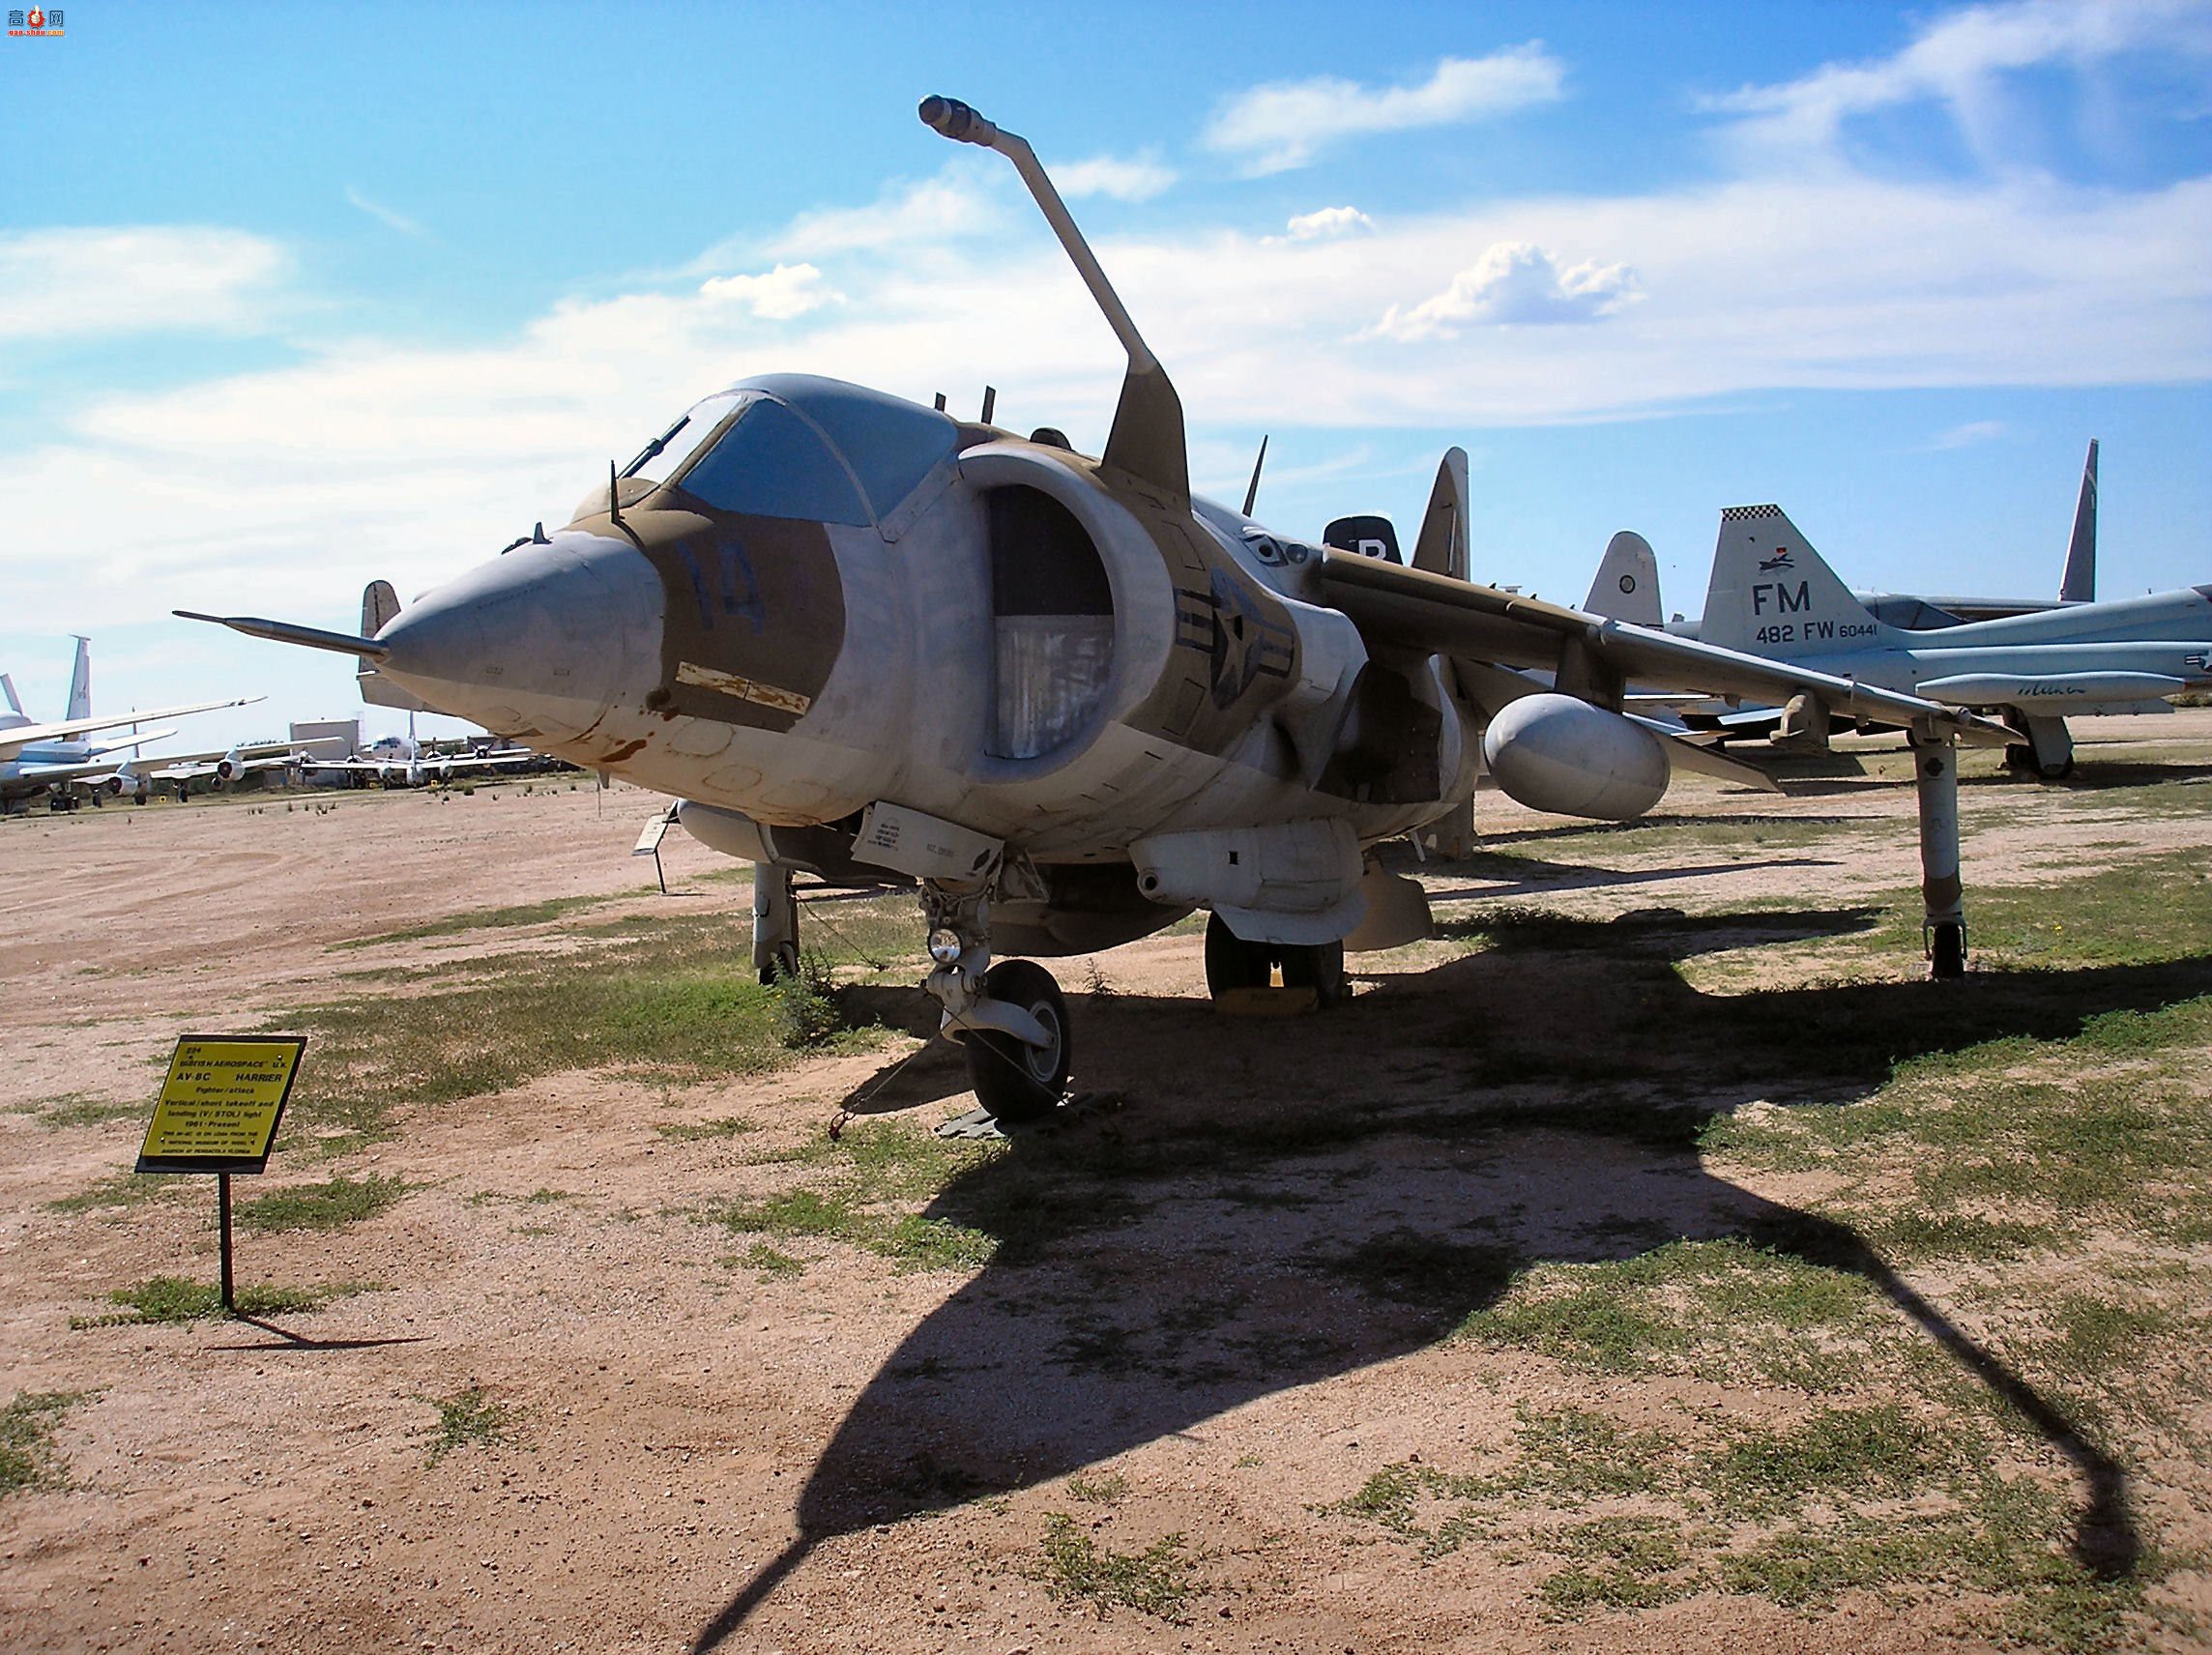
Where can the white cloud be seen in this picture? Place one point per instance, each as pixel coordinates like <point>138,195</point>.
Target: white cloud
<point>1328,223</point>
<point>933,211</point>
<point>1961,60</point>
<point>384,215</point>
<point>1515,283</point>
<point>1965,436</point>
<point>138,279</point>
<point>1124,180</point>
<point>1278,127</point>
<point>788,291</point>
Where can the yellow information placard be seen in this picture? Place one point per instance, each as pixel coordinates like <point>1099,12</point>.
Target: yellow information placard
<point>222,1103</point>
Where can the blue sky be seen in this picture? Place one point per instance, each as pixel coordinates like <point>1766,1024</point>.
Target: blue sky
<point>303,294</point>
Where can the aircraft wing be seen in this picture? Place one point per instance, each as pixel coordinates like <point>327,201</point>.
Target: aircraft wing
<point>15,739</point>
<point>1436,614</point>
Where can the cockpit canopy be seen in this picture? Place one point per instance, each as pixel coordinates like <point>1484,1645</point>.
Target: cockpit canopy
<point>790,445</point>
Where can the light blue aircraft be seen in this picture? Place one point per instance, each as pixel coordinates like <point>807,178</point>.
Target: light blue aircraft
<point>1772,594</point>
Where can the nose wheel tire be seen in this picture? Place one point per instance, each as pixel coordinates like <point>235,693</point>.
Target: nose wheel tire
<point>1015,1080</point>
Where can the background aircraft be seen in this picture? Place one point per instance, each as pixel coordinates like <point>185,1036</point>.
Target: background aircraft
<point>38,759</point>
<point>1066,697</point>
<point>1771,594</point>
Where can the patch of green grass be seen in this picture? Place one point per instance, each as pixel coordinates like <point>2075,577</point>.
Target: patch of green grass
<point>479,920</point>
<point>27,1426</point>
<point>1098,1490</point>
<point>863,1190</point>
<point>470,1416</point>
<point>1157,1581</point>
<point>543,1196</point>
<point>672,997</point>
<point>174,1299</point>
<point>1621,1563</point>
<point>770,1263</point>
<point>84,1109</point>
<point>1878,1451</point>
<point>330,1205</point>
<point>124,1191</point>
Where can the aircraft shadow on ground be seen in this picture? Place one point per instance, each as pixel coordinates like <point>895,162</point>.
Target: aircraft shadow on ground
<point>1240,1230</point>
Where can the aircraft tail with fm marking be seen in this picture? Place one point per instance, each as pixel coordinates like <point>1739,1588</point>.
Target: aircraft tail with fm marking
<point>1772,594</point>
<point>2079,585</point>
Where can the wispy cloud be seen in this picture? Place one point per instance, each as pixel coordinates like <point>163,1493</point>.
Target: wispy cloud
<point>1965,436</point>
<point>385,216</point>
<point>138,279</point>
<point>1962,61</point>
<point>1282,126</point>
<point>1137,179</point>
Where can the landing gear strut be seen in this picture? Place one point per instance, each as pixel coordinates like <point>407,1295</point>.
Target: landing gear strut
<point>775,923</point>
<point>1231,962</point>
<point>1936,778</point>
<point>1012,1016</point>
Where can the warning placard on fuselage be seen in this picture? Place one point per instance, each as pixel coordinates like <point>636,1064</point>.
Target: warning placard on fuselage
<point>220,1103</point>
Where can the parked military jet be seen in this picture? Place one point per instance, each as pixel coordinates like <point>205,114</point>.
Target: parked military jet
<point>1067,698</point>
<point>55,758</point>
<point>1772,594</point>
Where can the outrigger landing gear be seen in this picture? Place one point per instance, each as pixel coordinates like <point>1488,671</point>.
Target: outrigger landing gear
<point>1936,778</point>
<point>1231,962</point>
<point>1012,1016</point>
<point>775,923</point>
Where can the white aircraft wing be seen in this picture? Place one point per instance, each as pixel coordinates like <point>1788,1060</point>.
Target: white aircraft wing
<point>1437,614</point>
<point>15,739</point>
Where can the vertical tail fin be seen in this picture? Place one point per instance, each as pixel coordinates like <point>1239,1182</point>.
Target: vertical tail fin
<point>80,681</point>
<point>379,608</point>
<point>14,714</point>
<point>1772,594</point>
<point>1627,584</point>
<point>1441,547</point>
<point>2079,584</point>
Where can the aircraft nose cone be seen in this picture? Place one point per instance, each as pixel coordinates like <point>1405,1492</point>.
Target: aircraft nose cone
<point>540,643</point>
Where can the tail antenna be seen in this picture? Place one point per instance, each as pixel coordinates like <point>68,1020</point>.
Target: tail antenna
<point>1252,488</point>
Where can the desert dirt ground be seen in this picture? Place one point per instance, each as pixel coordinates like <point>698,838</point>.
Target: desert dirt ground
<point>1239,1361</point>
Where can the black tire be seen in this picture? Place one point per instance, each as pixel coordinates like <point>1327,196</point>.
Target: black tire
<point>1230,962</point>
<point>1015,1080</point>
<point>1319,968</point>
<point>1948,953</point>
<point>784,965</point>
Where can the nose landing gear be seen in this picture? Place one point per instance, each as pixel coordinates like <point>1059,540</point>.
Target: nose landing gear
<point>1012,1016</point>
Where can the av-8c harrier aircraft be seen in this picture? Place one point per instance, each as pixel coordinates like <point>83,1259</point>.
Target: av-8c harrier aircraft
<point>1066,698</point>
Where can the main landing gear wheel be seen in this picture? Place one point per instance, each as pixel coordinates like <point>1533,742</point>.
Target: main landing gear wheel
<point>1231,962</point>
<point>1947,952</point>
<point>1319,967</point>
<point>784,964</point>
<point>2021,759</point>
<point>1015,1080</point>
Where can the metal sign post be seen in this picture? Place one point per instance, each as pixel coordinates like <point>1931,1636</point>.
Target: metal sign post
<point>222,1103</point>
